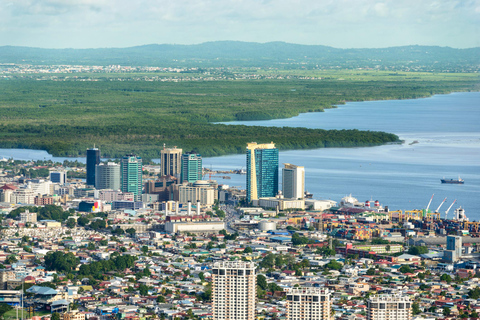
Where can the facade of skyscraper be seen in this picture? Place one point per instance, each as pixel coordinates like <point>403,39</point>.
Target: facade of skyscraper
<point>308,304</point>
<point>58,177</point>
<point>191,167</point>
<point>131,175</point>
<point>93,158</point>
<point>107,176</point>
<point>293,181</point>
<point>233,290</point>
<point>389,307</point>
<point>171,162</point>
<point>262,170</point>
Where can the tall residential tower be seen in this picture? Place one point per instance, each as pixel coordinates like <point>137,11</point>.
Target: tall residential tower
<point>308,304</point>
<point>93,158</point>
<point>262,170</point>
<point>131,175</point>
<point>389,307</point>
<point>233,290</point>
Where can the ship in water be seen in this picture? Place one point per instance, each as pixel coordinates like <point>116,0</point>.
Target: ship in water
<point>453,181</point>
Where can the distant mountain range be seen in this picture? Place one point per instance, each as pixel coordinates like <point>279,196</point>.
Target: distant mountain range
<point>248,54</point>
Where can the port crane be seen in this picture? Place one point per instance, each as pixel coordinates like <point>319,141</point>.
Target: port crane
<point>429,203</point>
<point>446,212</point>
<point>441,204</point>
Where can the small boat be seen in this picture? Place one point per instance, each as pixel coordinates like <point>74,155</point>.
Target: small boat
<point>453,181</point>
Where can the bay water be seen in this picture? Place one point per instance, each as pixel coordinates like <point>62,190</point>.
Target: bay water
<point>442,139</point>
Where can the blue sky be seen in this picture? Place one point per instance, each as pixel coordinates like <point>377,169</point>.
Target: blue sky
<point>337,23</point>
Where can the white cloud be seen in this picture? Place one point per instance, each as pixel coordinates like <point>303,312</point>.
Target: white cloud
<point>340,23</point>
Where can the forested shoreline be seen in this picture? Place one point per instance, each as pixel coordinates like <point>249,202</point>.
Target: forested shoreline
<point>66,117</point>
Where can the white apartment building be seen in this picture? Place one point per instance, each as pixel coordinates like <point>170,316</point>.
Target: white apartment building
<point>389,307</point>
<point>234,290</point>
<point>308,304</point>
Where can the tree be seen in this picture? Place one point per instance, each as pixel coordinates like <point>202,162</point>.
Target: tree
<point>445,277</point>
<point>405,269</point>
<point>91,246</point>
<point>145,249</point>
<point>11,259</point>
<point>55,316</point>
<point>71,223</point>
<point>371,272</point>
<point>83,221</point>
<point>131,231</point>
<point>415,308</point>
<point>446,311</point>
<point>160,299</point>
<point>387,248</point>
<point>262,281</point>
<point>416,250</point>
<point>333,264</point>
<point>248,250</point>
<point>143,290</point>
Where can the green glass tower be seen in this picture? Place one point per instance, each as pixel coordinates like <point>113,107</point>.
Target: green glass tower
<point>131,175</point>
<point>262,170</point>
<point>191,167</point>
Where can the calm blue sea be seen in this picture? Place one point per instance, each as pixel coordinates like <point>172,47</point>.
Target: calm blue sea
<point>446,132</point>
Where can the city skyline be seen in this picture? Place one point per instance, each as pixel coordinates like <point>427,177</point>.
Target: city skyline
<point>341,24</point>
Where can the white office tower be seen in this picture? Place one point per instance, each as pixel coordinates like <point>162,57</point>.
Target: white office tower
<point>308,304</point>
<point>293,181</point>
<point>389,307</point>
<point>234,290</point>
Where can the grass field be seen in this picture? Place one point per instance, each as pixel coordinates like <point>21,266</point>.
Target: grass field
<point>66,117</point>
<point>12,314</point>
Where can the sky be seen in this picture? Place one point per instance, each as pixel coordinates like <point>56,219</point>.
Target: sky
<point>336,23</point>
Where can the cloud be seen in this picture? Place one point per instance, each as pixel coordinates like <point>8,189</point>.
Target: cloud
<point>341,23</point>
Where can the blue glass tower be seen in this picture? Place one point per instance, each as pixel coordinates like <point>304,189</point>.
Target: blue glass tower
<point>191,167</point>
<point>262,170</point>
<point>93,158</point>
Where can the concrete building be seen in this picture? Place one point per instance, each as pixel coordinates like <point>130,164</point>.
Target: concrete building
<point>171,162</point>
<point>195,226</point>
<point>58,177</point>
<point>23,196</point>
<point>262,170</point>
<point>191,168</point>
<point>389,307</point>
<point>293,181</point>
<point>93,158</point>
<point>28,216</point>
<point>308,304</point>
<point>131,175</point>
<point>107,176</point>
<point>280,203</point>
<point>233,290</point>
<point>199,191</point>
<point>454,249</point>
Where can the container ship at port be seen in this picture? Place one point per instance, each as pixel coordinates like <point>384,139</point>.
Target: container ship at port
<point>453,181</point>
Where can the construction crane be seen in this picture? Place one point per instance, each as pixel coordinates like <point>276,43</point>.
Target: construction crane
<point>441,205</point>
<point>446,212</point>
<point>429,203</point>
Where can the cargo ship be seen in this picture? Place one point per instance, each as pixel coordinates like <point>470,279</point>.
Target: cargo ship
<point>453,181</point>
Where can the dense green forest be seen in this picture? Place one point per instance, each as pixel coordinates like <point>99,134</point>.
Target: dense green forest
<point>66,117</point>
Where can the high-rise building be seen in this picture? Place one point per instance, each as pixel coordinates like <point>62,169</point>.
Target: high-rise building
<point>389,307</point>
<point>58,177</point>
<point>131,175</point>
<point>454,249</point>
<point>107,176</point>
<point>93,158</point>
<point>293,181</point>
<point>233,290</point>
<point>191,167</point>
<point>171,162</point>
<point>308,304</point>
<point>262,170</point>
